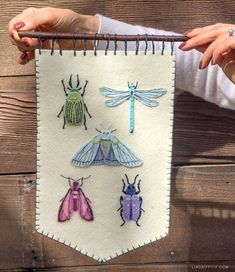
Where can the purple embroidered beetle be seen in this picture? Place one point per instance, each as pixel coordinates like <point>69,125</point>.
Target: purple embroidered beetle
<point>131,203</point>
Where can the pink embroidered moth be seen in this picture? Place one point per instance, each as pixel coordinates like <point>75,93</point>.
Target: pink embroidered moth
<point>75,201</point>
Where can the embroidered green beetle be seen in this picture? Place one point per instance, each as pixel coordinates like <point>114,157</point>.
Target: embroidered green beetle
<point>74,108</point>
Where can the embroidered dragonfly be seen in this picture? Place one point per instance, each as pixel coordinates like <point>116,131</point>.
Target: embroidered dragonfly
<point>147,97</point>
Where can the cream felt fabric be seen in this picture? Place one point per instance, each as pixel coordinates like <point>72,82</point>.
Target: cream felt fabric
<point>103,238</point>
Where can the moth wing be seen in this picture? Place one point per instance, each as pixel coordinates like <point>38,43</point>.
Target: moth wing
<point>87,153</point>
<point>111,158</point>
<point>84,208</point>
<point>124,154</point>
<point>117,97</point>
<point>66,207</point>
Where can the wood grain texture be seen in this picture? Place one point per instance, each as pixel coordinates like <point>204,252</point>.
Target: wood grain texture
<point>202,203</point>
<point>193,267</point>
<point>196,122</point>
<point>202,198</point>
<point>173,15</point>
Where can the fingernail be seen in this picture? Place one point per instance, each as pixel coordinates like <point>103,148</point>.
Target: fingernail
<point>19,25</point>
<point>187,32</point>
<point>200,65</point>
<point>23,56</point>
<point>182,45</point>
<point>26,44</point>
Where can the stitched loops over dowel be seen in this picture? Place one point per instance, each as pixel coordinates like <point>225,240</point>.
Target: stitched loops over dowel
<point>85,44</point>
<point>40,44</point>
<point>137,45</point>
<point>96,43</point>
<point>74,45</point>
<point>125,44</point>
<point>107,46</point>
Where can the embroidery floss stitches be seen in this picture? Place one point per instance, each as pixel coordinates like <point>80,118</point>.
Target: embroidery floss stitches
<point>105,148</point>
<point>74,108</point>
<point>75,201</point>
<point>147,97</point>
<point>102,238</point>
<point>131,202</point>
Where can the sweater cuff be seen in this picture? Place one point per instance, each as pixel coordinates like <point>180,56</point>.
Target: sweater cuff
<point>111,26</point>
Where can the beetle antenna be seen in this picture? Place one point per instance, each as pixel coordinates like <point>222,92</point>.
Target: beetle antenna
<point>62,81</point>
<point>113,130</point>
<point>70,81</point>
<point>128,83</point>
<point>98,130</point>
<point>136,84</point>
<point>78,82</point>
<point>127,179</point>
<point>135,179</point>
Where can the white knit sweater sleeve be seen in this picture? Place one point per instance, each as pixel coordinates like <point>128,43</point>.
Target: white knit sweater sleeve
<point>211,84</point>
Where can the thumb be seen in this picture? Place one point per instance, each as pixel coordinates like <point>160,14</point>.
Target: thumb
<point>228,66</point>
<point>44,17</point>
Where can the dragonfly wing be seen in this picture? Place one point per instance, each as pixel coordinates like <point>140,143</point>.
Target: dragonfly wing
<point>153,93</point>
<point>148,97</point>
<point>116,101</point>
<point>146,101</point>
<point>116,97</point>
<point>111,92</point>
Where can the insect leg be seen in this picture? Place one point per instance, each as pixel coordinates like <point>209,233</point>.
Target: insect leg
<point>64,123</point>
<point>141,201</point>
<point>121,198</point>
<point>122,218</point>
<point>84,88</point>
<point>84,121</point>
<point>60,111</point>
<point>87,110</point>
<point>138,220</point>
<point>62,81</point>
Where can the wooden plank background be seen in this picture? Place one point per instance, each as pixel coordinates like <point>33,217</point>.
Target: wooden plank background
<point>202,228</point>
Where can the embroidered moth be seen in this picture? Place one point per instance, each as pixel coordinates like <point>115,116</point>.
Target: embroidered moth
<point>74,109</point>
<point>106,148</point>
<point>75,201</point>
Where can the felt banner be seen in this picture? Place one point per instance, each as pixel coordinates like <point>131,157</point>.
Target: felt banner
<point>104,145</point>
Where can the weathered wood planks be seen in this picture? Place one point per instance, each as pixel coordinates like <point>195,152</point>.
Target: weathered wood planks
<point>202,223</point>
<point>202,207</point>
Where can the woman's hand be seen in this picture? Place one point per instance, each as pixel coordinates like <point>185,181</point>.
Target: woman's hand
<point>215,44</point>
<point>49,20</point>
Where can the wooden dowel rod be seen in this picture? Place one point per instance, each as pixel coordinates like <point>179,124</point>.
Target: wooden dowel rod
<point>105,37</point>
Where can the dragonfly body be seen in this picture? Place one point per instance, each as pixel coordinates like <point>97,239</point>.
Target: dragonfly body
<point>132,89</point>
<point>146,97</point>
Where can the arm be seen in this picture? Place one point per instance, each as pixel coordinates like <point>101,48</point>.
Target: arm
<point>210,84</point>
